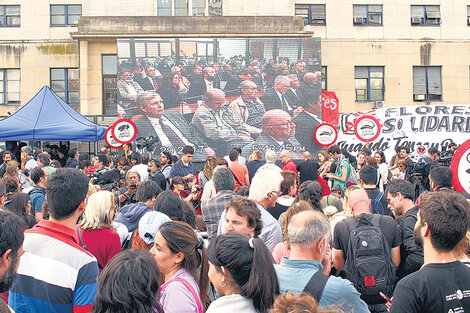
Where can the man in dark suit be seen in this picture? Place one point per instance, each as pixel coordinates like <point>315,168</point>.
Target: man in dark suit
<point>293,95</point>
<point>274,98</point>
<point>311,86</point>
<point>151,81</point>
<point>307,121</point>
<point>200,86</point>
<point>277,134</point>
<point>170,127</point>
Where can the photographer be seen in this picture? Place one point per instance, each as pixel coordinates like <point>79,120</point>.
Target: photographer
<point>126,195</point>
<point>177,187</point>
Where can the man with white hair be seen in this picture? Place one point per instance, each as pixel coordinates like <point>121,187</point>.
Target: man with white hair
<point>275,98</point>
<point>270,157</point>
<point>309,238</point>
<point>264,191</point>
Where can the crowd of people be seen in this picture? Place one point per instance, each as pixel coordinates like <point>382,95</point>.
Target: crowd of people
<point>248,233</point>
<point>216,106</point>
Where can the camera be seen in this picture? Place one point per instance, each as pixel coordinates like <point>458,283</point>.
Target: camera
<point>198,188</point>
<point>133,186</point>
<point>107,179</point>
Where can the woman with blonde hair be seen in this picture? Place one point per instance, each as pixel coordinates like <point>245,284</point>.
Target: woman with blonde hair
<point>95,231</point>
<point>208,171</point>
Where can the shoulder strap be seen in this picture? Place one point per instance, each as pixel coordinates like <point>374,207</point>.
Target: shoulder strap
<point>84,245</point>
<point>379,196</point>
<point>80,237</point>
<point>189,287</point>
<point>316,284</point>
<point>235,176</point>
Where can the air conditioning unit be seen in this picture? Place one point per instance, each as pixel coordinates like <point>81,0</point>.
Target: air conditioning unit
<point>380,104</point>
<point>416,20</point>
<point>420,97</point>
<point>359,20</point>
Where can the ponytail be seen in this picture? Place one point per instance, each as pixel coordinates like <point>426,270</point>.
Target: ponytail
<point>262,286</point>
<point>250,265</point>
<point>203,277</point>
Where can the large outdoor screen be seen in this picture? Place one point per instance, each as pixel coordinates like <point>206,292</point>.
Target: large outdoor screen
<point>220,93</point>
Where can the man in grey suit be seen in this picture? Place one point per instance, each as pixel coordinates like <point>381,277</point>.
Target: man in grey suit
<point>170,127</point>
<point>215,124</point>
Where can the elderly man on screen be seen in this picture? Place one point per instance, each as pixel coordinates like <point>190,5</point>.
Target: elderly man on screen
<point>278,131</point>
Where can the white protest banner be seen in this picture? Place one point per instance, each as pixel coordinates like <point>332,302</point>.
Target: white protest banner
<point>410,126</point>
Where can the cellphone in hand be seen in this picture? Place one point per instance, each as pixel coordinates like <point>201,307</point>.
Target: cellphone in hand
<point>385,297</point>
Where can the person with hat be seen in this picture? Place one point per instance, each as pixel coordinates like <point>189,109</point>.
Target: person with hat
<point>144,236</point>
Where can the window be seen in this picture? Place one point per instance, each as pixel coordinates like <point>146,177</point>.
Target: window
<point>10,15</point>
<point>199,7</point>
<point>425,15</point>
<point>427,83</point>
<point>313,14</point>
<point>367,14</point>
<point>189,7</point>
<point>181,7</point>
<point>369,83</point>
<point>9,86</point>
<point>64,82</point>
<point>215,7</point>
<point>65,14</point>
<point>109,84</point>
<point>468,14</point>
<point>323,78</point>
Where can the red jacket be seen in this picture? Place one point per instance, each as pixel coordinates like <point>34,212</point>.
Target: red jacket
<point>289,166</point>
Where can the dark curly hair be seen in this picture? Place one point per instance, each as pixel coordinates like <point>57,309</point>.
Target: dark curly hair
<point>130,282</point>
<point>311,192</point>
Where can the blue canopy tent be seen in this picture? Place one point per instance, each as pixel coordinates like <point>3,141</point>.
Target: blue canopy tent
<point>46,117</point>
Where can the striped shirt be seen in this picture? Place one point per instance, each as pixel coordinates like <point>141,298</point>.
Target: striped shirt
<point>55,273</point>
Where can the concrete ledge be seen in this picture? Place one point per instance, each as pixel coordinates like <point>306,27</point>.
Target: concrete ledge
<point>217,26</point>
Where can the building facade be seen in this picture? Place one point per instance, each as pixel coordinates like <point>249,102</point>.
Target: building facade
<point>373,53</point>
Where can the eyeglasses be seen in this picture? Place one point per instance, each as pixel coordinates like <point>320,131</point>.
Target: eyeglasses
<point>279,193</point>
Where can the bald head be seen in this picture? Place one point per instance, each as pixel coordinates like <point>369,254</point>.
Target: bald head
<point>214,98</point>
<point>306,155</point>
<point>248,89</point>
<point>209,73</point>
<point>359,201</point>
<point>312,78</point>
<point>278,124</point>
<point>285,153</point>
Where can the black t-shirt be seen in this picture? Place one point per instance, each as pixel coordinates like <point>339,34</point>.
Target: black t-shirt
<point>372,193</point>
<point>277,210</point>
<point>436,288</point>
<point>388,226</point>
<point>308,170</point>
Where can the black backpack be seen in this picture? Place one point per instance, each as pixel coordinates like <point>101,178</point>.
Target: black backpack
<point>369,265</point>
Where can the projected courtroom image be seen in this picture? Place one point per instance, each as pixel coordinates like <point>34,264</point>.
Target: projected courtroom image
<point>216,93</point>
